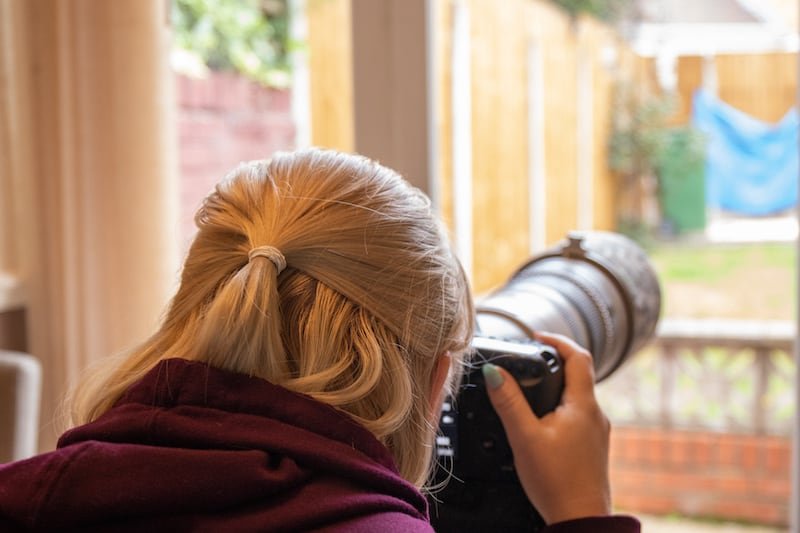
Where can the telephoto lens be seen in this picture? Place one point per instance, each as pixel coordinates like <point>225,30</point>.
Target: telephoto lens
<point>597,288</point>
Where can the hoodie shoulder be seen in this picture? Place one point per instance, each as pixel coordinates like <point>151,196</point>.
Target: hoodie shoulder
<point>26,485</point>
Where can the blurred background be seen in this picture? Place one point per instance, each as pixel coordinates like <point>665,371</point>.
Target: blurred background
<point>671,121</point>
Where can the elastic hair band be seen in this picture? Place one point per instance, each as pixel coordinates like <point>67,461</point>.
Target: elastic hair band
<point>271,253</point>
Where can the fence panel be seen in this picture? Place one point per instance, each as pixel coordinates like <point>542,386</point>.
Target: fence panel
<point>761,85</point>
<point>499,140</point>
<point>331,73</point>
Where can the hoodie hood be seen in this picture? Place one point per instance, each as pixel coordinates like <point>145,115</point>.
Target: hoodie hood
<point>195,447</point>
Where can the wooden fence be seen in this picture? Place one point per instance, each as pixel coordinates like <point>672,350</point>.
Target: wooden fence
<point>540,87</point>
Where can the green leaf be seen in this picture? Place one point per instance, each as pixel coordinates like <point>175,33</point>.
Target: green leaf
<point>247,36</point>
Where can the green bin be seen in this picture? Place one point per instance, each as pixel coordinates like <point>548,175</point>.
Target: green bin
<point>681,174</point>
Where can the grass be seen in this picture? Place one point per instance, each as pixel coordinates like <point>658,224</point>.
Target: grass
<point>709,263</point>
<point>746,281</point>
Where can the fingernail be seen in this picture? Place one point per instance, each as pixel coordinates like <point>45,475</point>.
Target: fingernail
<point>492,376</point>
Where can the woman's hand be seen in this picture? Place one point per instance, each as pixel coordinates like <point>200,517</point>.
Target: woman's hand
<point>561,458</point>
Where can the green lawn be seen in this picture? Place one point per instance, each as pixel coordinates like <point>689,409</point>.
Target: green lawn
<point>743,281</point>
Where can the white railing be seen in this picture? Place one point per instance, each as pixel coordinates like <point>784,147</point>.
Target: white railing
<point>729,376</point>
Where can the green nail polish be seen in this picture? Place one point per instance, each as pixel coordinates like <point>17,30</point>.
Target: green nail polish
<point>492,376</point>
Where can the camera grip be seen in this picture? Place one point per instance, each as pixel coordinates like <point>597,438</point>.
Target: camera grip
<point>483,492</point>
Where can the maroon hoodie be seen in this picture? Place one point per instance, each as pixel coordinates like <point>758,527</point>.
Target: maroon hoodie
<point>194,448</point>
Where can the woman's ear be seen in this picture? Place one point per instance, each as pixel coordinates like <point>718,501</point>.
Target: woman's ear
<point>441,370</point>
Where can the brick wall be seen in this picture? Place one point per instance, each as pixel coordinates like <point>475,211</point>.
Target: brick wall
<point>222,120</point>
<point>702,474</point>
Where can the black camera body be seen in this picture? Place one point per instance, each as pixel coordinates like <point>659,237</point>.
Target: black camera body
<point>472,449</point>
<point>598,289</point>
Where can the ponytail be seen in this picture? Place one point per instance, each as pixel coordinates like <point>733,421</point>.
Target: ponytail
<point>247,309</point>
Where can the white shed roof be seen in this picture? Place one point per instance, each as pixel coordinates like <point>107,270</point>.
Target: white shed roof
<point>710,27</point>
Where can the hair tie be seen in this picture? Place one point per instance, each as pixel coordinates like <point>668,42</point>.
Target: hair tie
<point>271,253</point>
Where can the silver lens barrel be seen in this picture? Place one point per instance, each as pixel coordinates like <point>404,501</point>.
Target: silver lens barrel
<point>597,288</point>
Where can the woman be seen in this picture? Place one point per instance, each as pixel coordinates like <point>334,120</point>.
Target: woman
<point>296,380</point>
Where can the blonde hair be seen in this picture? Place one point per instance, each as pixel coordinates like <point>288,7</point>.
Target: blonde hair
<point>370,297</point>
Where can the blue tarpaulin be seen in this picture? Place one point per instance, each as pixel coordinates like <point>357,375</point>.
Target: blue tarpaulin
<point>752,166</point>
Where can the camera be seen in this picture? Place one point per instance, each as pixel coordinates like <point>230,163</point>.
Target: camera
<point>597,288</point>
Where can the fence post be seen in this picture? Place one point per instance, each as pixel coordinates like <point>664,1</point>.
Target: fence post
<point>667,383</point>
<point>762,364</point>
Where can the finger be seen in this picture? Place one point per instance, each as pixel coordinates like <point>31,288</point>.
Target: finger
<point>509,403</point>
<point>578,367</point>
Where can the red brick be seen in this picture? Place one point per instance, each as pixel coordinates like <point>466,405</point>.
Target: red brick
<point>655,450</point>
<point>738,485</point>
<point>678,449</point>
<point>182,90</point>
<point>778,456</point>
<point>774,489</point>
<point>724,478</point>
<point>632,480</point>
<point>702,451</point>
<point>628,444</point>
<point>282,99</point>
<point>752,454</point>
<point>728,450</point>
<point>202,93</point>
<point>193,126</point>
<point>262,100</point>
<point>219,125</point>
<point>236,93</point>
<point>697,483</point>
